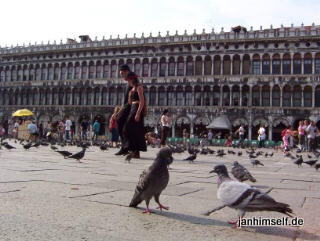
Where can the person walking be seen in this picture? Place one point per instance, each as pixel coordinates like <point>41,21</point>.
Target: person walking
<point>124,111</point>
<point>301,135</point>
<point>165,123</point>
<point>241,132</point>
<point>134,127</point>
<point>113,127</point>
<point>84,129</point>
<point>261,135</point>
<point>96,129</point>
<point>68,125</point>
<point>311,130</point>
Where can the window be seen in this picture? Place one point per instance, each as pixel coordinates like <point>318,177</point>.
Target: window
<point>266,67</point>
<point>84,72</point>
<point>317,66</point>
<point>180,98</point>
<point>255,97</point>
<point>172,69</point>
<point>154,69</point>
<point>13,75</point>
<point>256,67</point>
<point>276,67</point>
<point>145,70</point>
<point>297,98</point>
<point>189,98</point>
<point>25,75</point>
<point>56,73</point>
<point>286,97</point>
<point>307,94</point>
<point>162,98</point>
<point>152,96</point>
<point>91,71</point>
<point>171,98</point>
<point>286,66</point>
<point>163,69</point>
<point>70,72</point>
<point>189,68</point>
<point>137,67</point>
<point>105,70</point>
<point>113,70</point>
<point>216,96</point>
<point>207,65</point>
<point>99,71</point>
<point>307,66</point>
<point>265,96</point>
<point>77,72</point>
<point>63,72</point>
<point>180,70</point>
<point>297,66</point>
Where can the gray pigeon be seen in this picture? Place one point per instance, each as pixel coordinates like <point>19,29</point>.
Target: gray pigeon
<point>153,180</point>
<point>256,163</point>
<point>241,173</point>
<point>243,197</point>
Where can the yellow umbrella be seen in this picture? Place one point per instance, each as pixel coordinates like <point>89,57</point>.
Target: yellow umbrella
<point>23,112</point>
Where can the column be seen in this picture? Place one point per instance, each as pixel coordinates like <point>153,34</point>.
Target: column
<point>291,65</point>
<point>281,71</point>
<point>203,65</point>
<point>71,97</point>
<point>250,95</point>
<point>271,96</point>
<point>313,97</point>
<point>191,128</point>
<point>302,96</point>
<point>100,96</point>
<point>193,96</point>
<point>230,96</point>
<point>270,132</point>
<point>157,97</point>
<point>231,66</point>
<point>173,130</point>
<point>221,97</point>
<point>221,65</point>
<point>260,93</point>
<point>201,95</point>
<point>240,97</point>
<point>250,131</point>
<point>313,62</point>
<point>302,66</point>
<point>281,96</point>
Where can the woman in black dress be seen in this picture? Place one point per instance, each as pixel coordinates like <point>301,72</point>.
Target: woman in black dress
<point>134,127</point>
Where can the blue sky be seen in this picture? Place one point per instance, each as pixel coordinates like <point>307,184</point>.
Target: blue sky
<point>24,21</point>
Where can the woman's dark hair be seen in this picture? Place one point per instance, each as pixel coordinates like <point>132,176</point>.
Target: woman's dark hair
<point>165,112</point>
<point>134,77</point>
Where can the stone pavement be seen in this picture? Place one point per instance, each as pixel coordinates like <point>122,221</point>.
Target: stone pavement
<point>46,197</point>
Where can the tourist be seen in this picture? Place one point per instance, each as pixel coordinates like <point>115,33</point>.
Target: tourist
<point>301,135</point>
<point>261,136</point>
<point>311,130</point>
<point>68,125</point>
<point>210,137</point>
<point>165,123</point>
<point>134,127</point>
<point>16,129</point>
<point>84,129</point>
<point>113,127</point>
<point>61,130</point>
<point>124,111</point>
<point>305,125</point>
<point>286,133</point>
<point>32,130</point>
<point>96,129</point>
<point>241,132</point>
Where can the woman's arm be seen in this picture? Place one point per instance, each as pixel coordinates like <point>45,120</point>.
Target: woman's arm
<point>141,99</point>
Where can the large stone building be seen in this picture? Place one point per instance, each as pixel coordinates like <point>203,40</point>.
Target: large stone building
<point>268,76</point>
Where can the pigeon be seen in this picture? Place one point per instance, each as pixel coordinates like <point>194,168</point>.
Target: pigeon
<point>256,163</point>
<point>104,147</point>
<point>243,197</point>
<point>240,153</point>
<point>231,152</point>
<point>78,156</point>
<point>65,154</point>
<point>128,157</point>
<point>299,161</point>
<point>53,148</point>
<point>241,173</point>
<point>8,146</point>
<point>27,146</point>
<point>191,158</point>
<point>153,180</point>
<point>317,166</point>
<point>311,162</point>
<point>251,156</point>
<point>36,145</point>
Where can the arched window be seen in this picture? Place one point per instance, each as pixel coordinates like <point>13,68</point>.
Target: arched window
<point>154,67</point>
<point>266,64</point>
<point>307,95</point>
<point>245,95</point>
<point>198,66</point>
<point>216,95</point>
<point>8,72</point>
<point>180,67</point>
<point>31,73</point>
<point>276,64</point>
<point>56,71</point>
<point>256,95</point>
<point>163,66</point>
<point>77,71</point>
<point>70,71</point>
<point>307,65</point>
<point>55,97</point>
<point>317,64</point>
<point>82,97</point>
<point>137,67</point>
<point>145,67</point>
<point>226,96</point>
<point>217,65</point>
<point>317,96</point>
<point>286,96</point>
<point>265,95</point>
<point>207,65</point>
<point>297,63</point>
<point>197,95</point>
<point>226,65</point>
<point>171,67</point>
<point>113,69</point>
<point>256,64</point>
<point>38,72</point>
<point>68,97</point>
<point>180,97</point>
<point>120,95</point>
<point>189,95</point>
<point>153,96</point>
<point>130,64</point>
<point>162,96</point>
<point>13,74</point>
<point>297,96</point>
<point>84,70</point>
<point>63,72</point>
<point>91,70</point>
<point>171,96</point>
<point>106,69</point>
<point>43,72</point>
<point>99,70</point>
<point>246,64</point>
<point>104,96</point>
<point>235,95</point>
<point>96,96</point>
<point>286,64</point>
<point>236,65</point>
<point>206,95</point>
<point>61,97</point>
<point>25,73</point>
<point>190,66</point>
<point>51,71</point>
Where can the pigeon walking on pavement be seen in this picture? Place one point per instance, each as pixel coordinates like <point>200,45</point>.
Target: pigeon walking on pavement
<point>241,173</point>
<point>256,163</point>
<point>79,155</point>
<point>191,158</point>
<point>65,154</point>
<point>153,180</point>
<point>243,197</point>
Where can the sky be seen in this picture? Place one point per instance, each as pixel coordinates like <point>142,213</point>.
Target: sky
<point>30,21</point>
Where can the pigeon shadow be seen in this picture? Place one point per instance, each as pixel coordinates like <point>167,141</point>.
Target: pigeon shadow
<point>189,218</point>
<point>283,232</point>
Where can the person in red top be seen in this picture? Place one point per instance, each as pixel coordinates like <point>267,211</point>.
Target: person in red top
<point>301,136</point>
<point>113,127</point>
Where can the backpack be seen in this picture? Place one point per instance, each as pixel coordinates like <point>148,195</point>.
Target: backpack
<point>283,133</point>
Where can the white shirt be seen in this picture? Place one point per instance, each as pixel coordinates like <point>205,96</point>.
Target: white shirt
<point>16,125</point>
<point>311,131</point>
<point>262,133</point>
<point>165,121</point>
<point>241,130</point>
<point>68,125</point>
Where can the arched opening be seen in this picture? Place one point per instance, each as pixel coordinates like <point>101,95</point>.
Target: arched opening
<point>246,64</point>
<point>236,64</point>
<point>200,127</point>
<point>96,96</point>
<point>99,70</point>
<point>113,69</point>
<point>84,70</point>
<point>13,74</point>
<point>286,64</point>
<point>181,124</point>
<point>286,96</point>
<point>190,66</point>
<point>180,97</point>
<point>77,71</point>
<point>198,68</point>
<point>266,64</point>
<point>163,67</point>
<point>56,71</point>
<point>162,96</point>
<point>171,67</point>
<point>256,95</point>
<point>256,64</point>
<point>180,66</point>
<point>276,95</point>
<point>245,95</point>
<point>307,65</point>
<point>297,63</point>
<point>145,67</point>
<point>216,96</point>
<point>102,120</point>
<point>297,96</point>
<point>105,69</point>
<point>256,126</point>
<point>152,96</point>
<point>105,96</point>
<point>137,67</point>
<point>70,71</point>
<point>171,96</point>
<point>197,95</point>
<point>63,71</point>
<point>307,96</point>
<point>207,65</point>
<point>130,64</point>
<point>265,95</point>
<point>154,67</point>
<point>226,95</point>
<point>120,63</point>
<point>226,65</point>
<point>206,95</point>
<point>276,64</point>
<point>217,65</point>
<point>189,95</point>
<point>235,95</point>
<point>276,131</point>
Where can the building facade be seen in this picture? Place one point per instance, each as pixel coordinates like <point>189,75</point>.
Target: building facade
<point>267,76</point>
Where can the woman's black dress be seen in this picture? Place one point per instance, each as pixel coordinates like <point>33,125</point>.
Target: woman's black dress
<point>133,130</point>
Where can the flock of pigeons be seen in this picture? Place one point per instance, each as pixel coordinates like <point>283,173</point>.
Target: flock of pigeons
<point>232,193</point>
